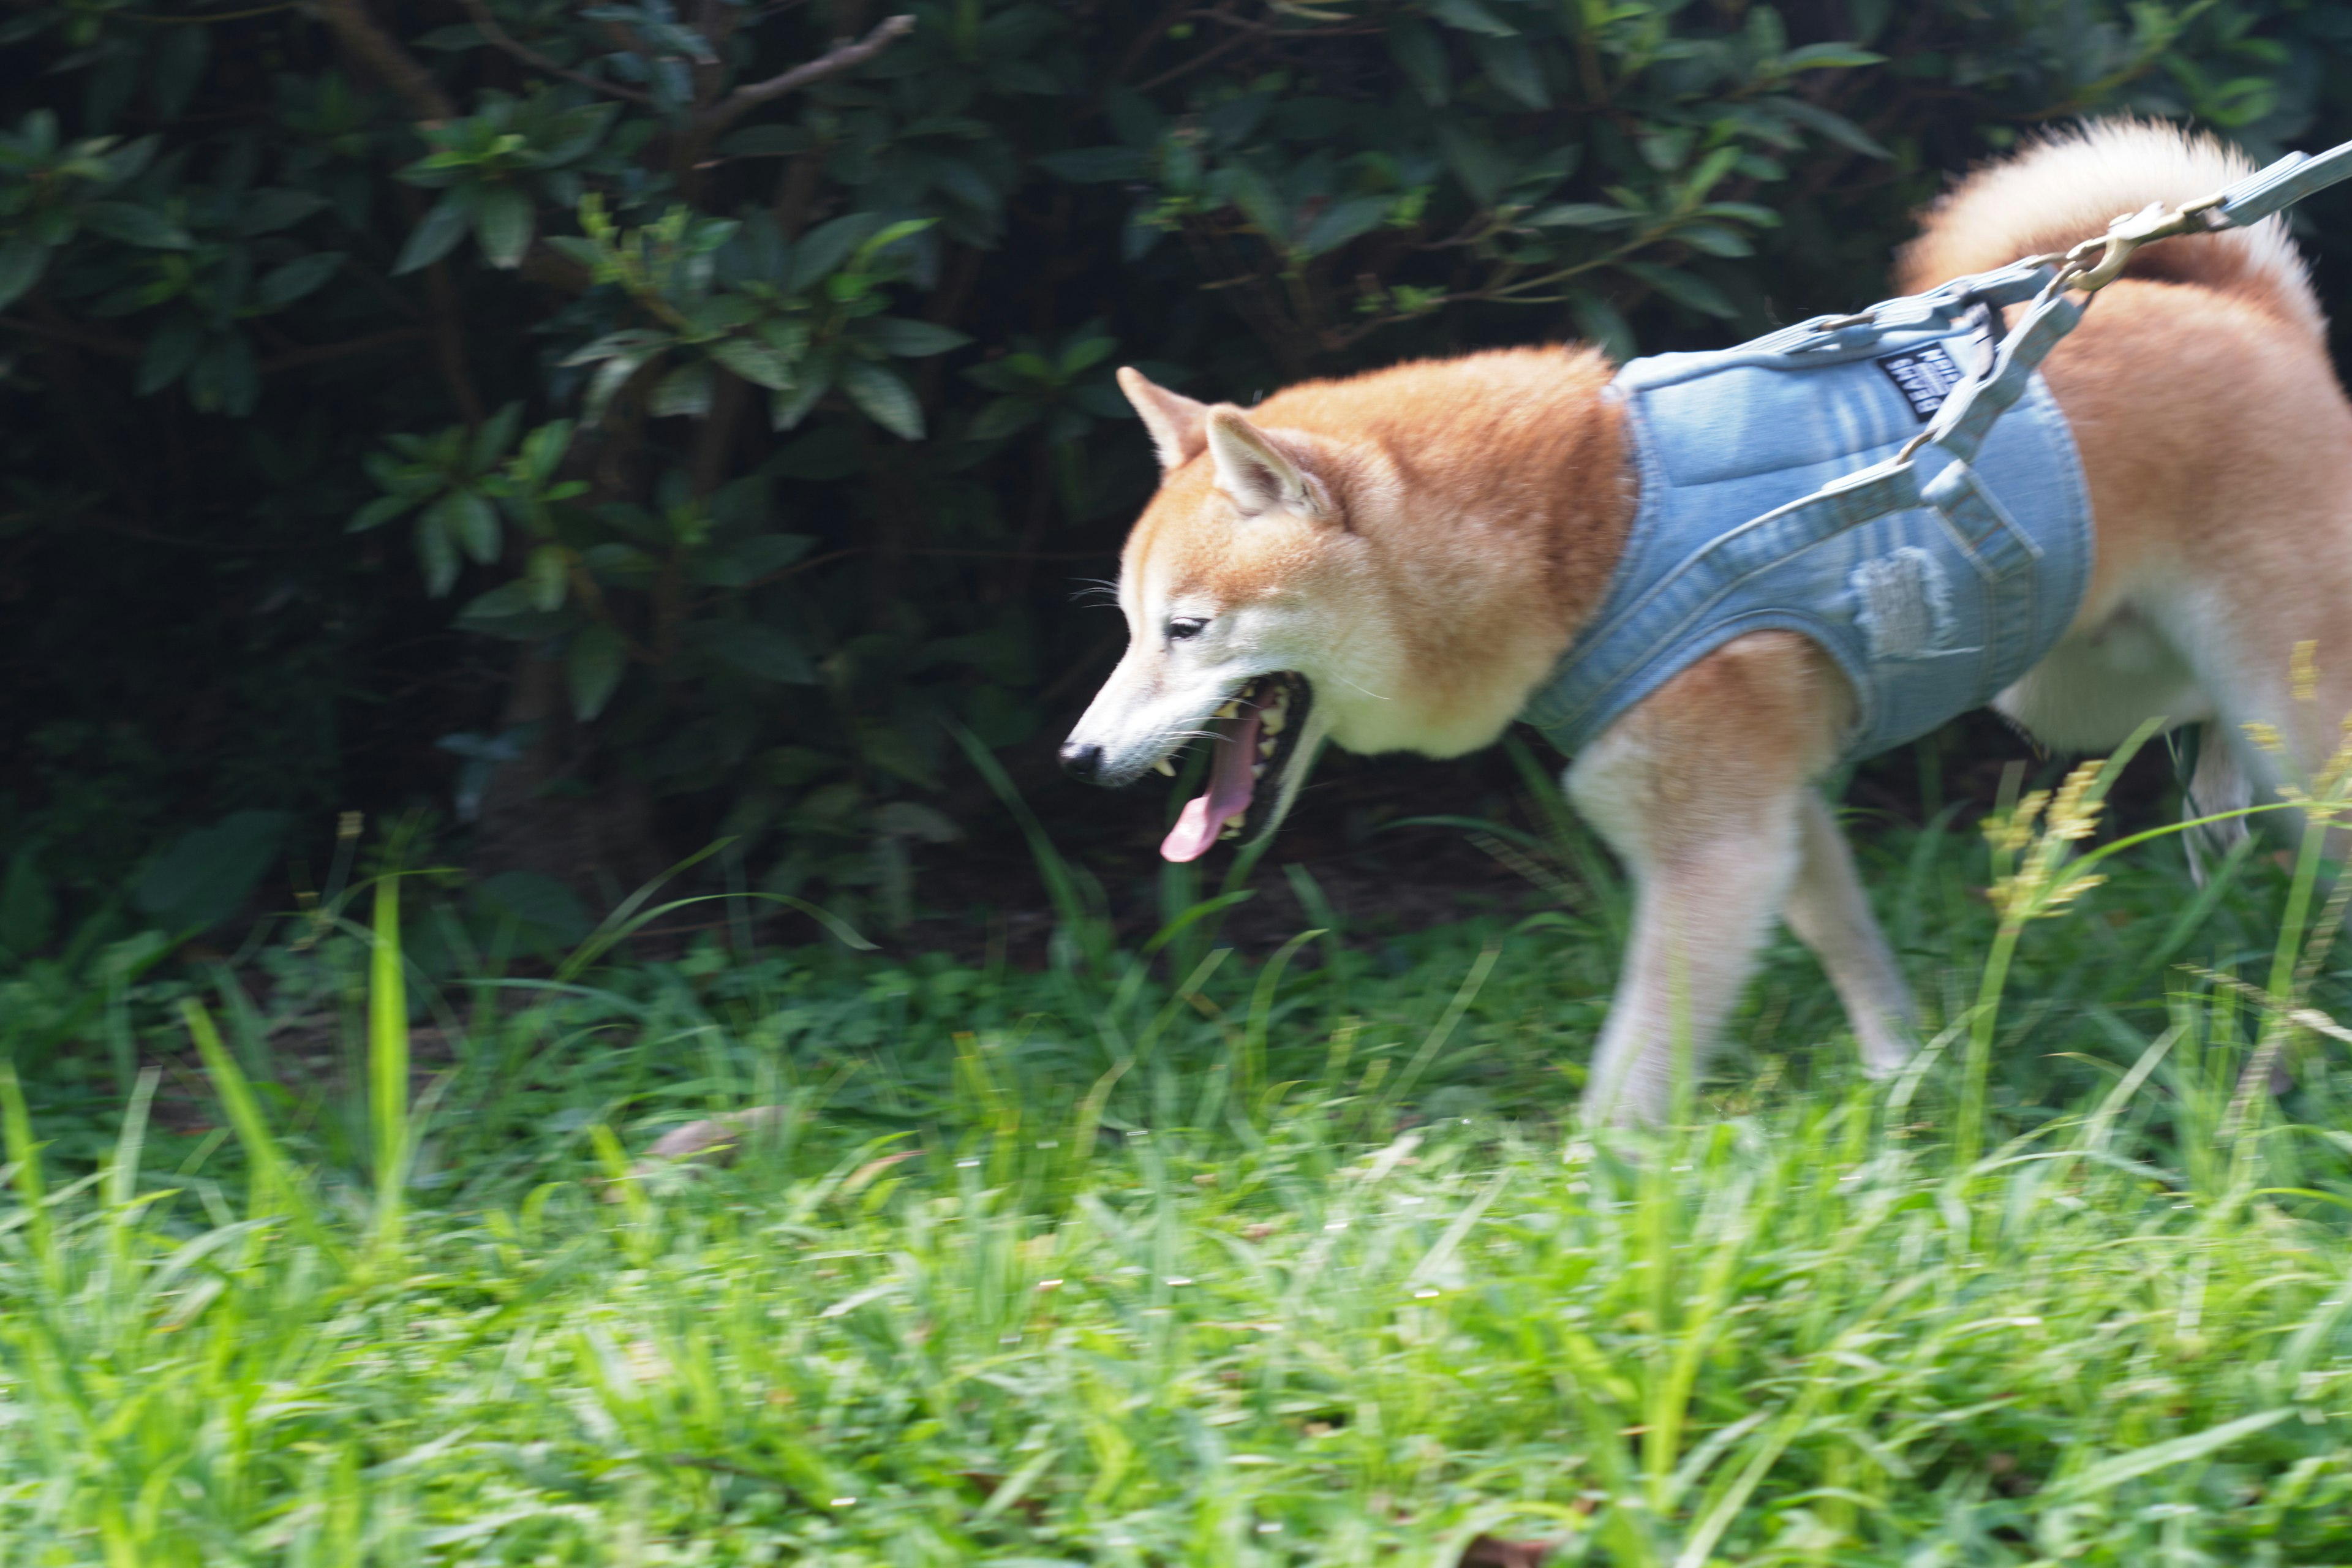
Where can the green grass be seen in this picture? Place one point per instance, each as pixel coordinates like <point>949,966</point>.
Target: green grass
<point>1183,1259</point>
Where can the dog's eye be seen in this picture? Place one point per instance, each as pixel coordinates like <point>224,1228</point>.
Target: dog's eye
<point>1185,627</point>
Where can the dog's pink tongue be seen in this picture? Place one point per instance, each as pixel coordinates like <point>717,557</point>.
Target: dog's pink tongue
<point>1231,784</point>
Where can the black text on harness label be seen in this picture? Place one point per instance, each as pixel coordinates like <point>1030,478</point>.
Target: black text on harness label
<point>1925,377</point>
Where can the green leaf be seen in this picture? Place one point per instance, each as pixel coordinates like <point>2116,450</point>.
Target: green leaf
<point>686,391</point>
<point>1601,325</point>
<point>610,377</point>
<point>22,262</point>
<point>436,552</point>
<point>914,340</point>
<point>593,667</point>
<point>893,750</point>
<point>905,228</point>
<point>1514,68</point>
<point>472,522</point>
<point>135,225</point>
<point>1714,239</point>
<point>827,246</point>
<point>1420,53</point>
<point>552,912</point>
<point>506,612</point>
<point>573,247</point>
<point>1470,17</point>
<point>282,287</point>
<point>788,338</point>
<point>1096,165</point>
<point>884,396</point>
<point>503,222</point>
<point>1828,57</point>
<point>1337,224</point>
<point>497,434</point>
<point>180,57</point>
<point>1002,417</point>
<point>1256,197</point>
<point>1085,353</point>
<point>543,450</point>
<point>225,378</point>
<point>746,560</point>
<point>1579,215</point>
<point>378,512</point>
<point>170,352</point>
<point>29,910</point>
<point>267,211</point>
<point>1709,172</point>
<point>1481,166</point>
<point>548,575</point>
<point>755,362</point>
<point>1834,126</point>
<point>623,564</point>
<point>759,651</point>
<point>787,409</point>
<point>437,234</point>
<point>204,877</point>
<point>1682,288</point>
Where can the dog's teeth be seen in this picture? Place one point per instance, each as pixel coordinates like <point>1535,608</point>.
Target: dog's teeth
<point>1266,747</point>
<point>1164,767</point>
<point>1257,770</point>
<point>1232,709</point>
<point>1273,719</point>
<point>1233,830</point>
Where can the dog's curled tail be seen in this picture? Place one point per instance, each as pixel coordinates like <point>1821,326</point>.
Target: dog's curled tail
<point>2068,185</point>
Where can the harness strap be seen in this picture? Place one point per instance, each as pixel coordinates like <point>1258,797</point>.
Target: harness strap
<point>1933,472</point>
<point>1958,428</point>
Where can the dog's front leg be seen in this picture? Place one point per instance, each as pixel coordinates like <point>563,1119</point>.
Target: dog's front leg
<point>1702,790</point>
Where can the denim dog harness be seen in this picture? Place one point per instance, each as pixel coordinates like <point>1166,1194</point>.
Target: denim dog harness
<point>1927,616</point>
<point>1843,479</point>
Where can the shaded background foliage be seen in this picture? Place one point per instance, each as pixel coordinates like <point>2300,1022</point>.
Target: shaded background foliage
<point>608,426</point>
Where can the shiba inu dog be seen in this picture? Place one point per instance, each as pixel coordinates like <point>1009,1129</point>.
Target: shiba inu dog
<point>1399,561</point>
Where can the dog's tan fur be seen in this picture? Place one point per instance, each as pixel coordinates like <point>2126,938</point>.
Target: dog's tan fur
<point>1422,542</point>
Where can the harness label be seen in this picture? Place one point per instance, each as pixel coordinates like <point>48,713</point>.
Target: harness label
<point>1923,375</point>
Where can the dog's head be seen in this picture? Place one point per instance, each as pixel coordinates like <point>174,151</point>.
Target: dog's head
<point>1246,612</point>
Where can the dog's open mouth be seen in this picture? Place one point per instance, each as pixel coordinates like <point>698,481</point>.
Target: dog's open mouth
<point>1257,733</point>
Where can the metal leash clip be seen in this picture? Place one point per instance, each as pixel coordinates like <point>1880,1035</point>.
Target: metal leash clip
<point>2128,234</point>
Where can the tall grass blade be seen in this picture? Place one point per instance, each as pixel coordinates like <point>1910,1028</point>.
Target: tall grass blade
<point>1435,1041</point>
<point>1085,927</point>
<point>17,1123</point>
<point>387,1038</point>
<point>276,1187</point>
<point>2108,1474</point>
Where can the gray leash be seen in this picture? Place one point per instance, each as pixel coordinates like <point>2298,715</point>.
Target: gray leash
<point>2049,283</point>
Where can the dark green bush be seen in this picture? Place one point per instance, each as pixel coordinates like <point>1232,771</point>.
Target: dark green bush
<point>621,424</point>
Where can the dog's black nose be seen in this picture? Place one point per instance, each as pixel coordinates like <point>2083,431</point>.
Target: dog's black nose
<point>1084,762</point>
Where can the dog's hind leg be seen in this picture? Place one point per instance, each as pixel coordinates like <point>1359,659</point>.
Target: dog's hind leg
<point>1831,914</point>
<point>2217,783</point>
<point>1701,790</point>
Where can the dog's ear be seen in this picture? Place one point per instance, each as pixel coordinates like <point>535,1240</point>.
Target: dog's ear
<point>1177,423</point>
<point>1256,471</point>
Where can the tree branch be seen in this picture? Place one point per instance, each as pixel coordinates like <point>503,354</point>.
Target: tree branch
<point>105,343</point>
<point>395,66</point>
<point>488,26</point>
<point>314,353</point>
<point>841,56</point>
